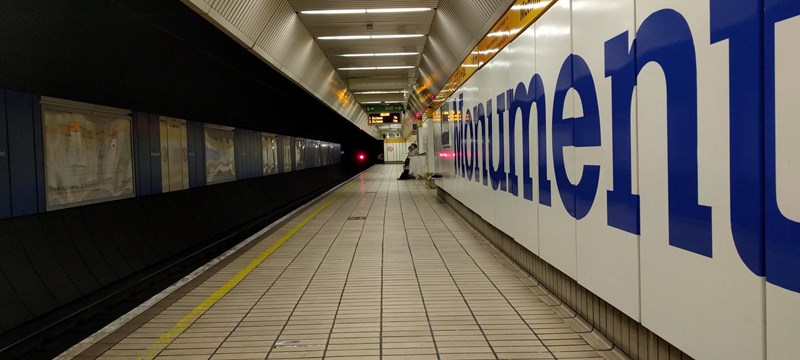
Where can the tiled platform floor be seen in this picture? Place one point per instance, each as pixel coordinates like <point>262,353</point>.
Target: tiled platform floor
<point>387,270</point>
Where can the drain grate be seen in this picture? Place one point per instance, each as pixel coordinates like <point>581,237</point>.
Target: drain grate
<point>357,218</point>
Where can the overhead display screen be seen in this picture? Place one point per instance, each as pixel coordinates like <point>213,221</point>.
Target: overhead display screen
<point>384,118</point>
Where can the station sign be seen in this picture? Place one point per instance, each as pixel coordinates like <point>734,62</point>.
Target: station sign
<point>383,108</point>
<point>384,118</point>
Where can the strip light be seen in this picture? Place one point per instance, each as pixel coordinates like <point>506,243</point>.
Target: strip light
<point>538,5</point>
<point>378,68</point>
<point>381,54</point>
<point>381,102</point>
<point>378,92</point>
<point>363,11</point>
<point>369,37</point>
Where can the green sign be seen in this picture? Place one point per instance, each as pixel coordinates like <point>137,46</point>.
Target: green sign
<point>383,108</point>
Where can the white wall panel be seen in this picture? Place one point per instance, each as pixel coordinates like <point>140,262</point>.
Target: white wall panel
<point>683,276</point>
<point>482,86</point>
<point>272,31</point>
<point>498,84</point>
<point>557,244</point>
<point>710,307</point>
<point>608,258</point>
<point>522,67</point>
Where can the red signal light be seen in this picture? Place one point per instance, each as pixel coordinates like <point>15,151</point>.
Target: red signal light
<point>361,157</point>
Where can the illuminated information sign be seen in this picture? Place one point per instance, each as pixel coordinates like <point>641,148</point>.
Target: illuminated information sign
<point>383,108</point>
<point>384,118</point>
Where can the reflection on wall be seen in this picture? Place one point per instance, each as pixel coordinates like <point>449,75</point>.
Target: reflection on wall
<point>269,153</point>
<point>87,157</point>
<point>219,155</point>
<point>318,154</point>
<point>299,154</point>
<point>287,154</point>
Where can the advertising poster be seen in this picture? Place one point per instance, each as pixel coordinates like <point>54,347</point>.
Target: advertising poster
<point>299,154</point>
<point>269,153</point>
<point>220,162</point>
<point>87,157</point>
<point>286,143</point>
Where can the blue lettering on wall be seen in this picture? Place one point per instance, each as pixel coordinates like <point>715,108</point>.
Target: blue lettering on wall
<point>579,132</point>
<point>545,190</point>
<point>480,119</point>
<point>623,204</point>
<point>512,163</point>
<point>521,100</point>
<point>664,38</point>
<point>740,22</point>
<point>782,245</point>
<point>458,157</point>
<point>470,146</point>
<point>497,171</point>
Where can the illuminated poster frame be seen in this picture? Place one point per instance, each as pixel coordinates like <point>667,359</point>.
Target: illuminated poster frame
<point>220,154</point>
<point>88,153</point>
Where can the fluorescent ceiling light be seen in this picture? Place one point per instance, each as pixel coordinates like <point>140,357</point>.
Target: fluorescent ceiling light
<point>381,102</point>
<point>485,52</point>
<point>378,68</point>
<point>498,34</point>
<point>381,54</point>
<point>397,10</point>
<point>363,11</point>
<point>368,37</point>
<point>538,5</point>
<point>377,92</point>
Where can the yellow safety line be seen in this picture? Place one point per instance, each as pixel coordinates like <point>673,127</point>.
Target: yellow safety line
<point>187,320</point>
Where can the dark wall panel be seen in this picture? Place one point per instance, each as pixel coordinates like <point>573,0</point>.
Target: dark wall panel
<point>22,156</point>
<point>43,258</point>
<point>155,154</point>
<point>5,186</point>
<point>84,243</point>
<point>67,255</point>
<point>141,153</point>
<point>240,144</point>
<point>15,312</point>
<point>194,144</point>
<point>38,149</point>
<point>22,275</point>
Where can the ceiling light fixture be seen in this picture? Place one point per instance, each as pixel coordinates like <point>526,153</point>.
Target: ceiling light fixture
<point>368,37</point>
<point>381,102</point>
<point>378,92</point>
<point>498,34</point>
<point>381,54</point>
<point>538,5</point>
<point>377,68</point>
<point>363,11</point>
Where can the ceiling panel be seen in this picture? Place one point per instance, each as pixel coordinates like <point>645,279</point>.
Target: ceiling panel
<point>369,24</point>
<point>384,83</point>
<point>281,32</point>
<point>318,24</point>
<point>287,40</point>
<point>385,97</point>
<point>339,61</point>
<point>300,5</point>
<point>457,27</point>
<point>359,46</point>
<point>346,74</point>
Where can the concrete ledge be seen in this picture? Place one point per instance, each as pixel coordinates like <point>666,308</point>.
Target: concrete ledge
<point>612,333</point>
